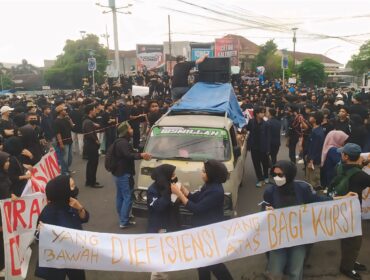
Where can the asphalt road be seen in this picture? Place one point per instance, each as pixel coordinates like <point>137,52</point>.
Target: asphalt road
<point>323,262</point>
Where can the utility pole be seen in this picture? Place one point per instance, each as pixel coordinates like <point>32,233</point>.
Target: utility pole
<point>106,36</point>
<point>169,43</point>
<point>114,10</point>
<point>294,42</point>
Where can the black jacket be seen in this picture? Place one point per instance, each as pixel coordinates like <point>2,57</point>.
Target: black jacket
<point>207,205</point>
<point>259,137</point>
<point>162,212</point>
<point>275,128</point>
<point>126,157</point>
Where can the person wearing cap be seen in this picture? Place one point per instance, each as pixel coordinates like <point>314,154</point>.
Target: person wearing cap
<point>6,123</point>
<point>181,72</point>
<point>63,128</point>
<point>207,206</point>
<point>91,146</point>
<point>124,173</point>
<point>350,247</point>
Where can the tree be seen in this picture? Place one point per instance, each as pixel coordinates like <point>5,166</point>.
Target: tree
<point>5,78</point>
<point>312,72</point>
<point>71,65</point>
<point>360,63</point>
<point>266,50</point>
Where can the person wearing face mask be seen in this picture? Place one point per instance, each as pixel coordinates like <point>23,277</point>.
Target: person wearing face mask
<point>31,142</point>
<point>163,213</point>
<point>5,192</point>
<point>207,206</point>
<point>63,209</point>
<point>34,121</point>
<point>286,192</point>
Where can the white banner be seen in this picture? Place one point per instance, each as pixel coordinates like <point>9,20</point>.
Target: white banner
<point>45,170</point>
<point>19,219</point>
<point>233,239</point>
<point>366,193</point>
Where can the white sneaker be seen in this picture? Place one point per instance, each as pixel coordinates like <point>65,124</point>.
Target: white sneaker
<point>301,161</point>
<point>2,273</point>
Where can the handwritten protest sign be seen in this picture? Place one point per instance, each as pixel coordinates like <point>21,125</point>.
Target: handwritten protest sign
<point>45,170</point>
<point>19,223</point>
<point>233,239</point>
<point>366,193</point>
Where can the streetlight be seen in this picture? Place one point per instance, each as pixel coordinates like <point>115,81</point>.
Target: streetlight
<point>294,42</point>
<point>114,10</point>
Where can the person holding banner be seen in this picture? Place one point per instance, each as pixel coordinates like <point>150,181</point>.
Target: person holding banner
<point>162,211</point>
<point>5,186</point>
<point>287,192</point>
<point>17,171</point>
<point>207,207</point>
<point>62,210</point>
<point>357,182</point>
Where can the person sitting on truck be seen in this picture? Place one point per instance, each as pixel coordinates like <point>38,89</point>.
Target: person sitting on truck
<point>181,72</point>
<point>207,207</point>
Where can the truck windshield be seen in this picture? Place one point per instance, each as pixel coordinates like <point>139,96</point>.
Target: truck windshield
<point>189,143</point>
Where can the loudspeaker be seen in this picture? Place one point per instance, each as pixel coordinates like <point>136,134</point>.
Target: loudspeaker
<point>214,77</point>
<point>215,70</point>
<point>215,64</point>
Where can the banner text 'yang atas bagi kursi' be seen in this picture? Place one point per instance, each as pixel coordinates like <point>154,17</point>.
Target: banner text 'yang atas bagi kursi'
<point>229,240</point>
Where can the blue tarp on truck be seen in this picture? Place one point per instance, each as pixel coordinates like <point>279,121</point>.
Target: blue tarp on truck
<point>211,98</point>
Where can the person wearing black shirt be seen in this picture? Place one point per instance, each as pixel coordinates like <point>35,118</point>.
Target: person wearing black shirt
<point>91,146</point>
<point>76,115</point>
<point>63,128</point>
<point>47,124</point>
<point>275,128</point>
<point>136,117</point>
<point>358,108</point>
<point>124,172</point>
<point>259,143</point>
<point>110,121</point>
<point>343,122</point>
<point>180,76</point>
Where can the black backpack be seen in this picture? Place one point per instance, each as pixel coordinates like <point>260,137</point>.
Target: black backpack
<point>111,160</point>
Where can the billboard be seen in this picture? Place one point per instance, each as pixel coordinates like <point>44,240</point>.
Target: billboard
<point>228,47</point>
<point>199,50</point>
<point>149,57</point>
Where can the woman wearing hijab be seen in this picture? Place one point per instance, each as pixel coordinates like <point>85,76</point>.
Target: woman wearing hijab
<point>207,207</point>
<point>31,142</point>
<point>285,193</point>
<point>5,192</point>
<point>17,171</point>
<point>330,157</point>
<point>63,209</point>
<point>162,212</point>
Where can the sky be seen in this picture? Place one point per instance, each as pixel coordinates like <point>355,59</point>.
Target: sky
<point>37,29</point>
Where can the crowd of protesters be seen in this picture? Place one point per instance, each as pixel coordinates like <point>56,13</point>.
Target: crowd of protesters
<point>315,122</point>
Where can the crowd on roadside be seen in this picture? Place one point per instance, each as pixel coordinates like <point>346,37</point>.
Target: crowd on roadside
<point>111,121</point>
